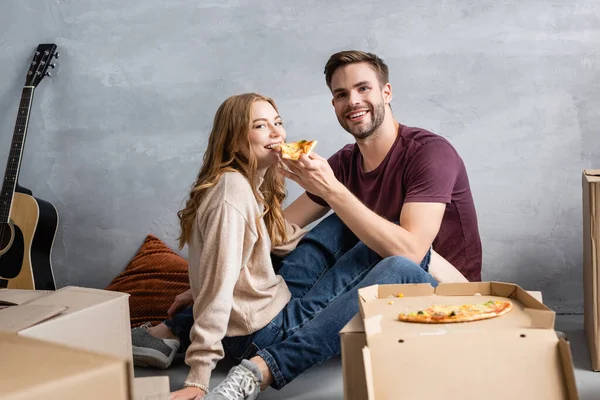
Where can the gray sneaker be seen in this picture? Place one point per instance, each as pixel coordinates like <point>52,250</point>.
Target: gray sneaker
<point>150,351</point>
<point>242,383</point>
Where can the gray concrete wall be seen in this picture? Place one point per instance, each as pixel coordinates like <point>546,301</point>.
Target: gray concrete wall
<point>117,136</point>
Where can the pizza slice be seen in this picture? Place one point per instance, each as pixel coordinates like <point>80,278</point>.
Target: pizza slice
<point>443,314</point>
<point>293,150</point>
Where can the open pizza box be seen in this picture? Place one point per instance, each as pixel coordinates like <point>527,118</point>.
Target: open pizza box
<point>89,319</point>
<point>32,369</point>
<point>516,355</point>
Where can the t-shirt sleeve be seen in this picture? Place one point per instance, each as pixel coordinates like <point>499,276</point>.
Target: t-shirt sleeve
<point>432,173</point>
<point>335,163</point>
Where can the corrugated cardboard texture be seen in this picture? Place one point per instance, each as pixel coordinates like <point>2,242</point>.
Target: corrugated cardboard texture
<point>591,262</point>
<point>32,370</point>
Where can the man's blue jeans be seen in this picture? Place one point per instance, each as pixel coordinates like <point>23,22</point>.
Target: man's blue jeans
<point>323,275</point>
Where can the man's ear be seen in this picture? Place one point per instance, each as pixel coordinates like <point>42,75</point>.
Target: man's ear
<point>387,93</point>
<point>333,102</point>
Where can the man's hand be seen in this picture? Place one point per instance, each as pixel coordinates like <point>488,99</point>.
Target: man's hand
<point>313,173</point>
<point>181,302</point>
<point>188,393</point>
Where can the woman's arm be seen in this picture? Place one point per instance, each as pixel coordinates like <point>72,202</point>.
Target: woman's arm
<point>223,232</point>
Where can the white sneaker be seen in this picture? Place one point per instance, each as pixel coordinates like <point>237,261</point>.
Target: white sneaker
<point>242,383</point>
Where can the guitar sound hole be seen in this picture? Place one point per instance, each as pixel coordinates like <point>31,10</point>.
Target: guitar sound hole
<point>6,235</point>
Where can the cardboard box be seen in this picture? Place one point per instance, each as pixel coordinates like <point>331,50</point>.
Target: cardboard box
<point>90,319</point>
<point>32,369</point>
<point>401,360</point>
<point>591,262</point>
<point>151,388</point>
<point>353,339</point>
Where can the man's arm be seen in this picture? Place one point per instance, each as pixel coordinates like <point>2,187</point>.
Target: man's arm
<point>419,225</point>
<point>304,211</point>
<point>419,222</point>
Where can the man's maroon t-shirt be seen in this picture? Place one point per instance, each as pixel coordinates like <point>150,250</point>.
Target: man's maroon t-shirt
<point>420,167</point>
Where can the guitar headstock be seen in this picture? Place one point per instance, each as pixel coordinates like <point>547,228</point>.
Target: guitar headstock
<point>42,60</point>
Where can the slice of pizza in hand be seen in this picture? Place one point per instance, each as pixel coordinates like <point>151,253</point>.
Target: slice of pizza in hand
<point>444,314</point>
<point>293,150</point>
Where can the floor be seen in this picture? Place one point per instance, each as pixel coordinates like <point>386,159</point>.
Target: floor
<point>324,382</point>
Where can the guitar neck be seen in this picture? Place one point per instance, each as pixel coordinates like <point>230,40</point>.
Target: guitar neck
<point>15,154</point>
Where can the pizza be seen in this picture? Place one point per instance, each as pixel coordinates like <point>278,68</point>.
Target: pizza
<point>444,314</point>
<point>293,150</point>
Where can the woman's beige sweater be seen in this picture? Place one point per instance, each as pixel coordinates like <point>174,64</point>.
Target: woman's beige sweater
<point>236,291</point>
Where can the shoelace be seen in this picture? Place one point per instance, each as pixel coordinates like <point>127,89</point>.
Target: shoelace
<point>237,379</point>
<point>144,326</point>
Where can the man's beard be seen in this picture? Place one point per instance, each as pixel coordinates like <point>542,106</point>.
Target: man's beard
<point>363,131</point>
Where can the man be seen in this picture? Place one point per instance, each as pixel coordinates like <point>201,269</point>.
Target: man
<point>392,173</point>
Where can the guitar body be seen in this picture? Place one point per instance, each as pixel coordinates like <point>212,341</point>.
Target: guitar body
<point>27,263</point>
<point>27,224</point>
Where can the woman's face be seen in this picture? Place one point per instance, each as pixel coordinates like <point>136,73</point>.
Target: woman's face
<point>266,129</point>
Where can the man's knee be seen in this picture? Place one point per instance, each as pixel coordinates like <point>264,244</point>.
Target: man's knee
<point>398,269</point>
<point>399,264</point>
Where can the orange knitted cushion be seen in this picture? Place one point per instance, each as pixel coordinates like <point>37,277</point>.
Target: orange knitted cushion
<point>153,278</point>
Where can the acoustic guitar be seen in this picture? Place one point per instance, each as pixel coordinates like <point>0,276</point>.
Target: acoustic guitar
<point>27,224</point>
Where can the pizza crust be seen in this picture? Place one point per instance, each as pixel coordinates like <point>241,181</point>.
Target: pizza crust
<point>445,314</point>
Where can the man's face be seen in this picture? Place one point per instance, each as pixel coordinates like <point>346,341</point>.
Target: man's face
<point>359,102</point>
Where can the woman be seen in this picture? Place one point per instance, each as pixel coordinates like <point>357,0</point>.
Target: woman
<point>276,325</point>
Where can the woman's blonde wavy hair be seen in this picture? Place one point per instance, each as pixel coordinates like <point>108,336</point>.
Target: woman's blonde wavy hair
<point>225,154</point>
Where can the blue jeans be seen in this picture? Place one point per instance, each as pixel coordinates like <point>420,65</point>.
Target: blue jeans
<point>323,275</point>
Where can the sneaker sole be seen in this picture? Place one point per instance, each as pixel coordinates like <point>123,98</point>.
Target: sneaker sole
<point>145,357</point>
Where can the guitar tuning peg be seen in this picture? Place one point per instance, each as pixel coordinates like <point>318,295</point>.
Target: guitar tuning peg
<point>52,65</point>
<point>48,74</point>
<point>56,55</point>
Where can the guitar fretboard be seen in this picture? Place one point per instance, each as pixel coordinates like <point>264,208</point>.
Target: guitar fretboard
<point>14,156</point>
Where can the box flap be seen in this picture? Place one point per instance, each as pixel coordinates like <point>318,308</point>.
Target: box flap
<point>78,298</point>
<point>20,296</point>
<point>34,369</point>
<point>355,325</point>
<point>568,369</point>
<point>16,318</point>
<point>591,175</point>
<point>463,289</point>
<point>151,388</point>
<point>522,364</point>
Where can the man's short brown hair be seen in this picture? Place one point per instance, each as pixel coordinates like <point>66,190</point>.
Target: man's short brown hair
<point>342,58</point>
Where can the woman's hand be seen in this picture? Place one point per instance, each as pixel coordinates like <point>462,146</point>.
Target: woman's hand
<point>181,302</point>
<point>188,393</point>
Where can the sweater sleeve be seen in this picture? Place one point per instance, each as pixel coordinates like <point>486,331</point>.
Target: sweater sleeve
<point>221,261</point>
<point>294,234</point>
